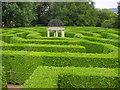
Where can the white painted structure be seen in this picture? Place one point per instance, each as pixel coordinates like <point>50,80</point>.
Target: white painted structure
<point>56,29</point>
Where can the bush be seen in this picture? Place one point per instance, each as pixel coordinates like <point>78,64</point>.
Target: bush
<point>73,77</point>
<point>108,23</point>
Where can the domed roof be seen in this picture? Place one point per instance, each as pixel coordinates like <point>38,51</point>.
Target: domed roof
<point>55,22</point>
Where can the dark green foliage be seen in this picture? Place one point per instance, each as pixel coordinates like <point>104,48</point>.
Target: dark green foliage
<point>18,14</point>
<point>72,81</point>
<point>105,15</point>
<point>108,23</point>
<point>118,18</point>
<point>74,13</point>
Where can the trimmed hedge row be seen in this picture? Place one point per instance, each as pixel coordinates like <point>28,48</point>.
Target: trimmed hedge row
<point>7,38</point>
<point>89,34</point>
<point>44,48</point>
<point>108,41</point>
<point>108,35</point>
<point>52,38</point>
<point>27,62</point>
<point>91,47</point>
<point>73,77</point>
<point>22,34</point>
<point>112,36</point>
<point>34,35</point>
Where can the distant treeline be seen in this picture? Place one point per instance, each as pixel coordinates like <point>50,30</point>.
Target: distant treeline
<point>21,14</point>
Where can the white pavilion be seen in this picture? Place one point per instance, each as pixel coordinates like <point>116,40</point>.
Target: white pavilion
<point>56,25</point>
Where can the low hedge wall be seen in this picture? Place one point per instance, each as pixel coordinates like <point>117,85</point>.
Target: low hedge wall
<point>73,77</point>
<point>26,62</point>
<point>33,35</point>
<point>91,47</point>
<point>34,41</point>
<point>52,38</point>
<point>103,40</point>
<point>112,36</point>
<point>44,48</point>
<point>7,38</point>
<point>22,34</point>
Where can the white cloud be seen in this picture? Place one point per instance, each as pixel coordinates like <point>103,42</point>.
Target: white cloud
<point>106,3</point>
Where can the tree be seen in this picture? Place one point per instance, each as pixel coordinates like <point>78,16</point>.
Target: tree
<point>43,13</point>
<point>118,19</point>
<point>18,14</point>
<point>108,23</point>
<point>74,13</point>
<point>104,14</point>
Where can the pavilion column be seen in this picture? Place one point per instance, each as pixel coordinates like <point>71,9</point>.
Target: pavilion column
<point>56,33</point>
<point>48,33</point>
<point>63,33</point>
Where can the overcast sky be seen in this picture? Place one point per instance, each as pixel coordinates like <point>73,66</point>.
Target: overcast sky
<point>106,3</point>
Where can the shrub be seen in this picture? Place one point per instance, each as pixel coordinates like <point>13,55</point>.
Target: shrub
<point>108,23</point>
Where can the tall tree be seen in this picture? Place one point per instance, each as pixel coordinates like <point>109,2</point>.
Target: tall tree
<point>18,14</point>
<point>104,14</point>
<point>42,10</point>
<point>118,20</point>
<point>74,13</point>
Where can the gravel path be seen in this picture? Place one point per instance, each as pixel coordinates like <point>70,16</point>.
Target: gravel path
<point>11,87</point>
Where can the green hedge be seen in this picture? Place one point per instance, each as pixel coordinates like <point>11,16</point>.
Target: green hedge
<point>36,41</point>
<point>112,36</point>
<point>73,77</point>
<point>69,34</point>
<point>78,35</point>
<point>7,38</point>
<point>103,40</point>
<point>52,38</point>
<point>22,34</point>
<point>44,48</point>
<point>26,62</point>
<point>33,35</point>
<point>91,47</point>
<point>2,77</point>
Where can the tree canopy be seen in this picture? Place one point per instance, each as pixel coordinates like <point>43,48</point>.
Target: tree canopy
<point>20,14</point>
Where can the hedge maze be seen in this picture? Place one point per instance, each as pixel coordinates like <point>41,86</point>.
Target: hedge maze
<point>86,58</point>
